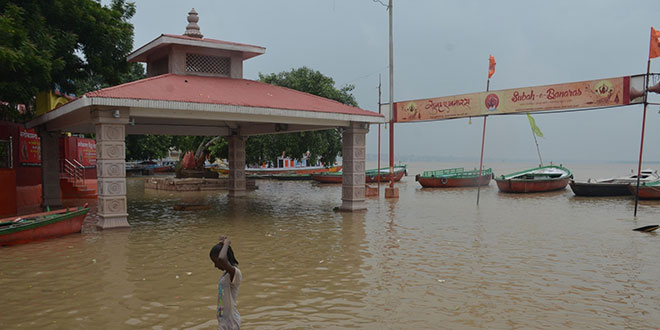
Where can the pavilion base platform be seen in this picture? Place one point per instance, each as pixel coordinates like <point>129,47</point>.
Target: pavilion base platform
<point>193,184</point>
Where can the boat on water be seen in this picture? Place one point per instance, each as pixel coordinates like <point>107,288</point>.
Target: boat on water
<point>149,167</point>
<point>291,177</point>
<point>647,190</point>
<point>267,172</point>
<point>264,172</point>
<point>39,226</point>
<point>539,179</point>
<point>164,166</point>
<point>454,177</point>
<point>371,176</point>
<point>283,168</point>
<point>612,186</point>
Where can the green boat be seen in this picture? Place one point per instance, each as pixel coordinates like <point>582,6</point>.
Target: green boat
<point>454,177</point>
<point>371,176</point>
<point>38,226</point>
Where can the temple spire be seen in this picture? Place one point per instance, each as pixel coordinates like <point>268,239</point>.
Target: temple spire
<point>192,30</point>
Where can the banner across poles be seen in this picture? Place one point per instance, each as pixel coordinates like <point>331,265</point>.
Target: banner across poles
<point>606,92</point>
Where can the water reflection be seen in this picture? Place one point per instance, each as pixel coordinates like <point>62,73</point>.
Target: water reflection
<point>430,259</point>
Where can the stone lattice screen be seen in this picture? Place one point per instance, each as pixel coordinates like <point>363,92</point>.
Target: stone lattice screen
<point>207,64</point>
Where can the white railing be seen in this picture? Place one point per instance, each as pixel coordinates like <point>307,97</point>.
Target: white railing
<point>74,171</point>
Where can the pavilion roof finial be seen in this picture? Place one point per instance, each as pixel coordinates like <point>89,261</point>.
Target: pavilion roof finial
<point>192,29</point>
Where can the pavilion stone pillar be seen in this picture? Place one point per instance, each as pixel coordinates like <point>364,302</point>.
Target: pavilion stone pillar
<point>353,164</point>
<point>50,169</point>
<point>237,182</point>
<point>111,167</point>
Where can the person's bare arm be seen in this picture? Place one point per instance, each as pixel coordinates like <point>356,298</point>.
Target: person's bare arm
<point>226,242</point>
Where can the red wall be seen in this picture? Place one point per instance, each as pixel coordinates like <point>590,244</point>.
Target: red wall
<point>23,189</point>
<point>7,192</point>
<point>25,175</point>
<point>20,186</point>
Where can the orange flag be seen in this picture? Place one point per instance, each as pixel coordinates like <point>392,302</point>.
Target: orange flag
<point>491,66</point>
<point>654,48</point>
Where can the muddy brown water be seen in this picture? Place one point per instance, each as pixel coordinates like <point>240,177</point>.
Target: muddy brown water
<point>429,260</point>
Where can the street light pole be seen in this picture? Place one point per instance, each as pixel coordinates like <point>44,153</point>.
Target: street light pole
<point>391,192</point>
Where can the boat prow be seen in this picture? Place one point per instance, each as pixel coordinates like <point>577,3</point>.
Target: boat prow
<point>648,190</point>
<point>39,226</point>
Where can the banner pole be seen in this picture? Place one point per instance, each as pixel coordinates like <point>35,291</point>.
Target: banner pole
<point>641,144</point>
<point>379,111</point>
<point>481,159</point>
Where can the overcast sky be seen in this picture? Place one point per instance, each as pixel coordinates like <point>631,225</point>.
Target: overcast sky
<point>441,48</point>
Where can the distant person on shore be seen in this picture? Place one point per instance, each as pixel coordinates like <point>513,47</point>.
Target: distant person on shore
<point>223,258</point>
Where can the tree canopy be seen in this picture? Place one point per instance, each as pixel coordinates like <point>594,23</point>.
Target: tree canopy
<point>81,45</point>
<point>147,147</point>
<point>77,44</point>
<point>325,145</point>
<point>313,82</point>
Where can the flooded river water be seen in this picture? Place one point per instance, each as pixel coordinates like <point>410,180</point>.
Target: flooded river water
<point>430,260</point>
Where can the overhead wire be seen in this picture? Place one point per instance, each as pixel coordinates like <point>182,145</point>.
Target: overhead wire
<point>365,76</point>
<point>380,2</point>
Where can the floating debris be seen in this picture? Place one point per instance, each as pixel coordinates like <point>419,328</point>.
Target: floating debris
<point>647,229</point>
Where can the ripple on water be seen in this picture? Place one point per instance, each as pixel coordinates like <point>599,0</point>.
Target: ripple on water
<point>430,259</point>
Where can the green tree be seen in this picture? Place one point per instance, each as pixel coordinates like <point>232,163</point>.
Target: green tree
<point>63,42</point>
<point>324,145</point>
<point>146,147</point>
<point>95,82</point>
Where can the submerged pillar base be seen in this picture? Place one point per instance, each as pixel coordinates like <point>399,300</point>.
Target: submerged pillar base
<point>112,222</point>
<point>391,192</point>
<point>352,206</point>
<point>353,174</point>
<point>110,128</point>
<point>237,192</point>
<point>236,181</point>
<point>370,191</point>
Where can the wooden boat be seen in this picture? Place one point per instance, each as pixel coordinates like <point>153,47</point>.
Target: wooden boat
<point>612,186</point>
<point>292,177</point>
<point>327,177</point>
<point>454,177</point>
<point>647,229</point>
<point>647,190</point>
<point>371,176</point>
<point>268,172</point>
<point>164,166</point>
<point>540,179</point>
<point>39,226</point>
